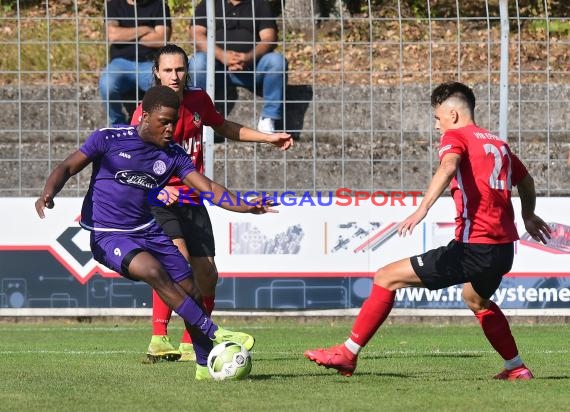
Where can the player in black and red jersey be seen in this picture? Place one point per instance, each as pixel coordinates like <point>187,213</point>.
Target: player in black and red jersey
<point>481,170</point>
<point>183,217</point>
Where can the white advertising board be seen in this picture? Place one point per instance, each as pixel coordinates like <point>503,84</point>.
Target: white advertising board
<point>303,241</point>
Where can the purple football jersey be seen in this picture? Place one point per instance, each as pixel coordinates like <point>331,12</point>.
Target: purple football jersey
<point>127,172</point>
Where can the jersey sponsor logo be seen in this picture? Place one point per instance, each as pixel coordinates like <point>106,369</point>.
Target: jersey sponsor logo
<point>125,155</point>
<point>420,261</point>
<point>159,167</point>
<point>134,178</point>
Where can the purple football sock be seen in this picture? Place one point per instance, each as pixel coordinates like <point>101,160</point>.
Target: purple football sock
<point>192,313</point>
<point>202,346</point>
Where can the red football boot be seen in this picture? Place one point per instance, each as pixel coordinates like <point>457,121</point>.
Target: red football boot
<point>521,373</point>
<point>336,357</point>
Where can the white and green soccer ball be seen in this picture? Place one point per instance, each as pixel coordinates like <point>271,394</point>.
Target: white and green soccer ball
<point>229,360</point>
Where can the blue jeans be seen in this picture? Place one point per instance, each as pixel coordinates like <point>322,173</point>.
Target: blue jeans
<point>270,73</point>
<point>122,77</point>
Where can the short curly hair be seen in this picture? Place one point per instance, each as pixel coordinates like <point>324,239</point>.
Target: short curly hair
<point>160,96</point>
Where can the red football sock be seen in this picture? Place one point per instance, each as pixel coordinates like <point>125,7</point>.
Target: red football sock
<point>186,338</point>
<point>160,315</point>
<point>373,313</point>
<point>496,328</point>
<point>209,303</point>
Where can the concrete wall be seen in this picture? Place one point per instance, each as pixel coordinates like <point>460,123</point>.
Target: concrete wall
<point>380,135</point>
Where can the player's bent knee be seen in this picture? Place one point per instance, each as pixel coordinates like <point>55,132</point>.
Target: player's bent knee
<point>476,304</point>
<point>475,307</point>
<point>381,278</point>
<point>204,269</point>
<point>395,276</point>
<point>207,282</point>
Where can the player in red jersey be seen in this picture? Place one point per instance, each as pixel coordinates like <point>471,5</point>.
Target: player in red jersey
<point>185,220</point>
<point>481,170</point>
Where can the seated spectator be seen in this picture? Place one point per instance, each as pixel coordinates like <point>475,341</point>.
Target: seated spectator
<point>246,35</point>
<point>135,33</point>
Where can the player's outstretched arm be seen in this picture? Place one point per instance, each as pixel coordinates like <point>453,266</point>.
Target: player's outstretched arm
<point>534,225</point>
<point>439,182</point>
<point>224,198</point>
<point>74,163</point>
<point>240,133</point>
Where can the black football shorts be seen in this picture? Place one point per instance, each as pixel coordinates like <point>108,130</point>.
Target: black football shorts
<point>189,222</point>
<point>483,265</point>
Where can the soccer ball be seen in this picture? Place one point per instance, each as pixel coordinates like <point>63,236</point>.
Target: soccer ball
<point>229,360</point>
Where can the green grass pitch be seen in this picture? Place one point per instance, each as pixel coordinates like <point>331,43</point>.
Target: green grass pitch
<point>100,366</point>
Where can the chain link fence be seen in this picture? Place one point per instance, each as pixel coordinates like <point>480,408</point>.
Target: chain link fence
<point>357,98</point>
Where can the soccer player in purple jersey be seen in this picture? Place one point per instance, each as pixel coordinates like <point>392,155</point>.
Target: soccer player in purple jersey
<point>130,165</point>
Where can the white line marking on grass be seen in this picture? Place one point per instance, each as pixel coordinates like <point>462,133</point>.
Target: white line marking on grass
<point>68,329</point>
<point>256,351</point>
<point>70,352</point>
<point>109,328</point>
<point>457,352</point>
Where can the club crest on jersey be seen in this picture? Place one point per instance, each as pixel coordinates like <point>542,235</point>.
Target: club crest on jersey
<point>134,178</point>
<point>197,119</point>
<point>159,167</point>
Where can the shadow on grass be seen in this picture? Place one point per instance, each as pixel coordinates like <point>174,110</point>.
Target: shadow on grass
<point>375,357</point>
<point>323,374</point>
<point>279,359</point>
<point>451,355</point>
<point>554,378</point>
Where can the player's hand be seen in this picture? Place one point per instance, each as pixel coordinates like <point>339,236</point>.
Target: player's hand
<point>537,228</point>
<point>260,206</point>
<point>408,224</point>
<point>42,203</point>
<point>169,195</point>
<point>283,141</point>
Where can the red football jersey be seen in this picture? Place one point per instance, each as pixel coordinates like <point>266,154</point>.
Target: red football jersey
<point>196,110</point>
<point>481,188</point>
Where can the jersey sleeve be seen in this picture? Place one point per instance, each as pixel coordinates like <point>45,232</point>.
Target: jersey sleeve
<point>518,169</point>
<point>183,164</point>
<point>136,119</point>
<point>451,143</point>
<point>211,117</point>
<point>95,145</point>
